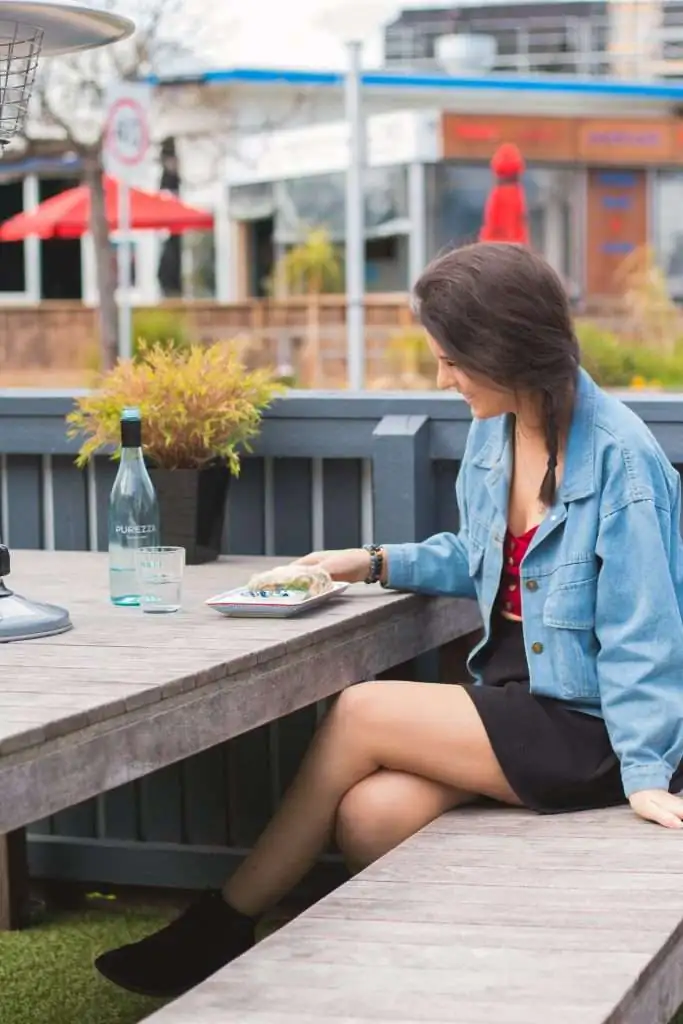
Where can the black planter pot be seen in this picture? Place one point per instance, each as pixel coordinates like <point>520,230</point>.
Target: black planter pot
<point>192,505</point>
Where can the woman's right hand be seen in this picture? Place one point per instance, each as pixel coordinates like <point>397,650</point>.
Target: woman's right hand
<point>349,565</point>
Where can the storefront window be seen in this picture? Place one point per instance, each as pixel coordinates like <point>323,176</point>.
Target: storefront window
<point>252,202</point>
<point>457,196</point>
<point>12,257</point>
<point>199,264</point>
<point>668,192</point>
<point>456,204</point>
<point>312,202</point>
<point>320,201</point>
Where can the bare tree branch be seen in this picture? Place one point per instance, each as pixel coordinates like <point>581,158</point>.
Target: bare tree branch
<point>70,97</point>
<point>70,92</point>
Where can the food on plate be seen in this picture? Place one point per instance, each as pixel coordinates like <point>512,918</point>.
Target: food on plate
<point>291,580</point>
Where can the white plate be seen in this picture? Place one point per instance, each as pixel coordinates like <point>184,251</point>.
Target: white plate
<point>241,603</point>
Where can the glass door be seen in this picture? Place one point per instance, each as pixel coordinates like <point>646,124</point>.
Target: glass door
<point>554,199</point>
<point>668,234</point>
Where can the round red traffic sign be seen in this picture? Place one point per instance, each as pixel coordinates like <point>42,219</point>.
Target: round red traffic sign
<point>127,135</point>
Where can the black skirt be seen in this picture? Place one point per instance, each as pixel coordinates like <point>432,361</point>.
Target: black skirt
<point>554,759</point>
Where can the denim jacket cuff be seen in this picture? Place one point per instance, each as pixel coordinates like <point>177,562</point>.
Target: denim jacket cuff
<point>399,566</point>
<point>646,776</point>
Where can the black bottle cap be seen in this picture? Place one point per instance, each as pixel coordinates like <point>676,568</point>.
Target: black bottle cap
<point>131,429</point>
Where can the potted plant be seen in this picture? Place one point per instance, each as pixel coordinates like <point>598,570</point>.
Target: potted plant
<point>200,408</point>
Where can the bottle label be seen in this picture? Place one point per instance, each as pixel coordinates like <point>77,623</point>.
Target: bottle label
<point>136,531</point>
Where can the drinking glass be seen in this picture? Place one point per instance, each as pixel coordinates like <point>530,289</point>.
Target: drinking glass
<point>159,572</point>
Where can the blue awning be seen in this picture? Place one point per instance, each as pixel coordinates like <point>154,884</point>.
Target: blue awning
<point>382,79</point>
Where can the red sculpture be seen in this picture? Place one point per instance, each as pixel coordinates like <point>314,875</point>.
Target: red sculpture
<point>505,216</point>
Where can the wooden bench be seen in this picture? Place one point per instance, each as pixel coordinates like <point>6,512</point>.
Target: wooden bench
<point>487,916</point>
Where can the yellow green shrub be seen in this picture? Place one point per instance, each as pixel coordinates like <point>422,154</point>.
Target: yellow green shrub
<point>613,362</point>
<point>197,404</point>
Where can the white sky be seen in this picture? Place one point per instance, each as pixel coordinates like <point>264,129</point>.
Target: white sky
<point>305,33</point>
<point>301,33</point>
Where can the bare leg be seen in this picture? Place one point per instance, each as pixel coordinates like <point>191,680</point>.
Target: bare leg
<point>423,729</point>
<point>385,809</point>
<point>388,759</point>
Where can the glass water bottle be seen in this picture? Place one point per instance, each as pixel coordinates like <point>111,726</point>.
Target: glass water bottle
<point>133,512</point>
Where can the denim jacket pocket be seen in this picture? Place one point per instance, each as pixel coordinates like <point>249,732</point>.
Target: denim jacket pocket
<point>569,615</point>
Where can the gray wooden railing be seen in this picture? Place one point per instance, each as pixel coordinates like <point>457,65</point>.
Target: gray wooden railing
<point>329,470</point>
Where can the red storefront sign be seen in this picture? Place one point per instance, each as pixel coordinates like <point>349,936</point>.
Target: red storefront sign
<point>539,138</point>
<point>594,141</point>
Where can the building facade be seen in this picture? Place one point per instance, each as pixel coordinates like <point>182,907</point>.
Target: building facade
<point>604,177</point>
<point>597,189</point>
<point>641,39</point>
<point>54,270</point>
<point>283,184</point>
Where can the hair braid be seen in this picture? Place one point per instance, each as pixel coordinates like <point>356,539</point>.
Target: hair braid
<point>552,439</point>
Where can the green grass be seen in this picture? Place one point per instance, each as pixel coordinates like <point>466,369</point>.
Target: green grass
<point>47,976</point>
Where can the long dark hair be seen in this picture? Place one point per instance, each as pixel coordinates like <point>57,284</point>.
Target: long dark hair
<point>500,312</point>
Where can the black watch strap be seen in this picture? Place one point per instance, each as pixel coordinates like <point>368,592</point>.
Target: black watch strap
<point>376,562</point>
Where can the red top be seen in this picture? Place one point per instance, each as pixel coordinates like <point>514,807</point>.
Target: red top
<point>514,550</point>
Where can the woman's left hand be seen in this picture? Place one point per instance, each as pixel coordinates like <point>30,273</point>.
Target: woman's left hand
<point>658,805</point>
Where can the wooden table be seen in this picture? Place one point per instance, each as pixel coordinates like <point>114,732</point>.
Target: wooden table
<point>124,694</point>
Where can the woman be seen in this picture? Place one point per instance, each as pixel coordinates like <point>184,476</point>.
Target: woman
<point>569,539</point>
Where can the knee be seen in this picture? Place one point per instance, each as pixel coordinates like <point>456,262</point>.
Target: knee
<point>356,706</point>
<point>367,824</point>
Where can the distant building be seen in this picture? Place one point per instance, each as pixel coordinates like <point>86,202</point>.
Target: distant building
<point>604,176</point>
<point>209,115</point>
<point>57,269</point>
<point>267,151</point>
<point>583,37</point>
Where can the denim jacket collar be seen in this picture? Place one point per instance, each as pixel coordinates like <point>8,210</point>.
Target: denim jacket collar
<point>578,478</point>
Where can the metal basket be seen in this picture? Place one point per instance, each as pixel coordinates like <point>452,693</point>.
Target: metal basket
<point>20,47</point>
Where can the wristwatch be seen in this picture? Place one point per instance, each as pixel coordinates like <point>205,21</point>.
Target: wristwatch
<point>376,553</point>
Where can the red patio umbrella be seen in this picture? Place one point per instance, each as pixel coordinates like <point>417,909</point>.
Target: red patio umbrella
<point>505,216</point>
<point>67,215</point>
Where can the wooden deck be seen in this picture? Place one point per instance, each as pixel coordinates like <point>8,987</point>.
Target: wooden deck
<point>488,916</point>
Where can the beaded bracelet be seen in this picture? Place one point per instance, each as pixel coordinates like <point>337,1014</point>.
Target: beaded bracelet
<point>376,562</point>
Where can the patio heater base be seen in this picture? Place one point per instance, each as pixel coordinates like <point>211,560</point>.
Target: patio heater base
<point>21,619</point>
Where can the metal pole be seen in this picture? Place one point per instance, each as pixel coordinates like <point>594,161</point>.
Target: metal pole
<point>417,215</point>
<point>355,223</point>
<point>124,264</point>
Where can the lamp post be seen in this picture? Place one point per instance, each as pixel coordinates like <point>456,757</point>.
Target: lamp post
<point>355,220</point>
<point>352,23</point>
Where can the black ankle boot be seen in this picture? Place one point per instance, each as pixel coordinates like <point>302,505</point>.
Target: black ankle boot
<point>208,935</point>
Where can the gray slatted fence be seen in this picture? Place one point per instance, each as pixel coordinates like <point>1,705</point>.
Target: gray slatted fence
<point>329,470</point>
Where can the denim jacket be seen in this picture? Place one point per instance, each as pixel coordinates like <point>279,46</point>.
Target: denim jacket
<point>602,581</point>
